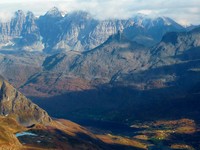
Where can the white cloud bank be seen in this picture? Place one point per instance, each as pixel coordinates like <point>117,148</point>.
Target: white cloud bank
<point>183,11</point>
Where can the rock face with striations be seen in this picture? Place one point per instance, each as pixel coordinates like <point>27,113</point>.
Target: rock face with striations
<point>21,32</point>
<point>16,105</point>
<point>13,28</point>
<point>80,31</point>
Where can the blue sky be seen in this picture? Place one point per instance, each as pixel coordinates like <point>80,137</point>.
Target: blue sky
<point>183,11</point>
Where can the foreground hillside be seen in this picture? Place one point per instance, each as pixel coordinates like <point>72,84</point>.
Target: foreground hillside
<point>24,125</point>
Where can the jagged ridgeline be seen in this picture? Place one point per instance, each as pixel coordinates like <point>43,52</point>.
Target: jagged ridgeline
<point>16,105</point>
<point>80,31</point>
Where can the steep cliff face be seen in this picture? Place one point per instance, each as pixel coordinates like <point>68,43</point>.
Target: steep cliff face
<point>49,27</point>
<point>14,27</point>
<point>21,32</point>
<point>13,103</point>
<point>30,38</point>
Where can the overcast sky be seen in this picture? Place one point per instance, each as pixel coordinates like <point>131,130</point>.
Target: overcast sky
<point>183,11</point>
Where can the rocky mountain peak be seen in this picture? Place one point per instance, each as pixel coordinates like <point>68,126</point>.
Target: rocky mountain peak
<point>17,23</point>
<point>19,13</point>
<point>54,12</point>
<point>166,21</point>
<point>19,17</point>
<point>29,26</point>
<point>30,15</point>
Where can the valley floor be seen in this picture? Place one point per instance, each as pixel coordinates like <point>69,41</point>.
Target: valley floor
<point>183,134</point>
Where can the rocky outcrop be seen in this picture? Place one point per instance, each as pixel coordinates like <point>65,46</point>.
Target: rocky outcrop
<point>21,32</point>
<point>16,105</point>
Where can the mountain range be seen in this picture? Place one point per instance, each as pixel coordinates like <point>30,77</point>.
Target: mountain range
<point>106,72</point>
<point>78,31</point>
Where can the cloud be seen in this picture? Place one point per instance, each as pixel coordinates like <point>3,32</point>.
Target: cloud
<point>183,11</point>
<point>147,12</point>
<point>5,16</point>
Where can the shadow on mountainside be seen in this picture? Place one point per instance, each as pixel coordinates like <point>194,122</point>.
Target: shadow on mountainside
<point>123,104</point>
